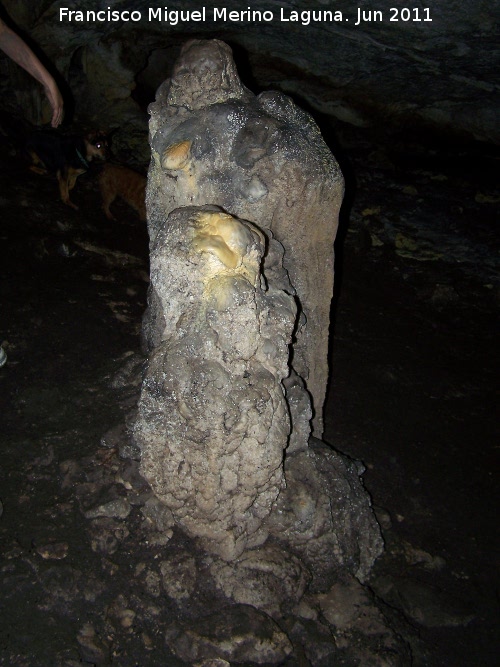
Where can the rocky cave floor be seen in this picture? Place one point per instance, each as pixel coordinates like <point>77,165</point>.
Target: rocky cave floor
<point>412,395</point>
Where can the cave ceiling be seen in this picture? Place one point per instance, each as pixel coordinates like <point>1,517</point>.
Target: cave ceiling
<point>441,72</point>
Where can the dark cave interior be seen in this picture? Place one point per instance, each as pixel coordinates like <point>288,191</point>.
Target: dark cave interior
<point>411,113</point>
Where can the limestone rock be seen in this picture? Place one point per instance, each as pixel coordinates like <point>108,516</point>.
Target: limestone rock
<point>299,405</point>
<point>324,514</point>
<point>212,420</point>
<point>359,627</point>
<point>261,159</point>
<point>179,575</point>
<point>267,578</point>
<point>92,648</point>
<point>238,634</point>
<point>425,605</point>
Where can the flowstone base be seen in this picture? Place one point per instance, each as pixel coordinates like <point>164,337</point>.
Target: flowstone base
<point>294,600</point>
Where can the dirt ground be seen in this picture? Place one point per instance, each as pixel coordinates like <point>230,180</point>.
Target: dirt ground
<point>414,368</point>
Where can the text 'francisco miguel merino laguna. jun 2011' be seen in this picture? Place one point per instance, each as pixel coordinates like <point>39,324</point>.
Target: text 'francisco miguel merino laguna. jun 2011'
<point>221,15</point>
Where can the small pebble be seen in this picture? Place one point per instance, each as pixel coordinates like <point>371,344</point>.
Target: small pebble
<point>53,551</point>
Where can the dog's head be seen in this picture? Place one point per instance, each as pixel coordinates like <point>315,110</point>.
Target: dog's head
<point>97,148</point>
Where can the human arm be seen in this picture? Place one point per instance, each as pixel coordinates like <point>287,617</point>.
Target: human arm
<point>13,46</point>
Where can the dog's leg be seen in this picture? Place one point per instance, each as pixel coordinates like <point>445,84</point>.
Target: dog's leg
<point>107,212</point>
<point>63,180</point>
<point>38,170</point>
<point>108,195</point>
<point>37,165</point>
<point>72,176</point>
<point>107,200</point>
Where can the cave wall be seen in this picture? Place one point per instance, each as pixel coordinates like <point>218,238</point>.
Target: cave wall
<point>439,73</point>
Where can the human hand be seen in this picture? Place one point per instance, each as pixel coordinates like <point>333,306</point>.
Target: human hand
<point>56,102</point>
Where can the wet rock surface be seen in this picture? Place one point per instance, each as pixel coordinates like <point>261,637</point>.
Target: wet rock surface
<point>87,552</point>
<point>260,158</point>
<point>212,421</point>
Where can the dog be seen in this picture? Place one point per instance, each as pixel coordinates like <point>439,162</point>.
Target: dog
<point>65,156</point>
<point>116,180</point>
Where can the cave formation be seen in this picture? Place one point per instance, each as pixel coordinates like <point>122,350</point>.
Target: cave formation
<point>95,569</point>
